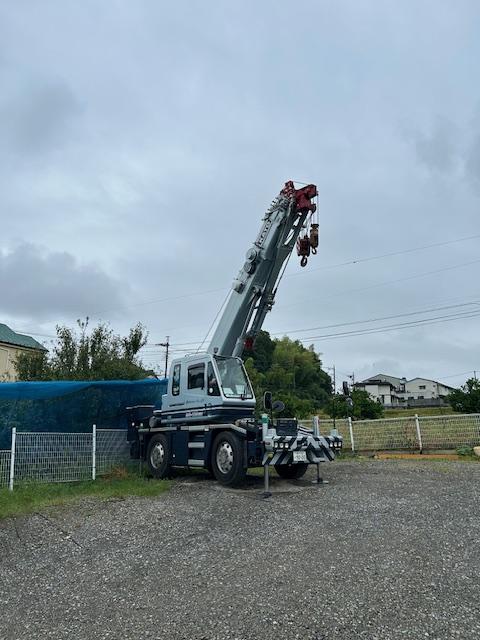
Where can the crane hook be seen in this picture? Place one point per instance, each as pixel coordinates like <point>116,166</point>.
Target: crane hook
<point>314,238</point>
<point>303,249</point>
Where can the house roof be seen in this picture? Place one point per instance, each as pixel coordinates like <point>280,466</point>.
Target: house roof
<point>8,336</point>
<point>382,378</point>
<point>430,380</point>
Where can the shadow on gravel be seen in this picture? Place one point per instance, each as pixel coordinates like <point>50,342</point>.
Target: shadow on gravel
<point>253,484</point>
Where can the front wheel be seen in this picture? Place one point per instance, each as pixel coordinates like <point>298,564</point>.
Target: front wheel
<point>291,471</point>
<point>158,456</point>
<point>227,459</point>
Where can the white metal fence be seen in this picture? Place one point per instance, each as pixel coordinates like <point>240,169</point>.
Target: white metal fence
<point>414,433</point>
<point>62,457</point>
<point>66,457</point>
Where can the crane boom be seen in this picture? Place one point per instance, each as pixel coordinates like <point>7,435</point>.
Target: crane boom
<point>253,291</point>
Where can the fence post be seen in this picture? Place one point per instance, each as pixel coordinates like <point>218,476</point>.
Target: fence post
<point>350,428</point>
<point>94,451</point>
<point>12,458</point>
<point>419,433</point>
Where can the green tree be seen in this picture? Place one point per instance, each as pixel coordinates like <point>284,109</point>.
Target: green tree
<point>364,407</point>
<point>262,354</point>
<point>291,372</point>
<point>99,354</point>
<point>466,399</point>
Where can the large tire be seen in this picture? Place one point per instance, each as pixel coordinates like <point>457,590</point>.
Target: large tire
<point>291,471</point>
<point>227,459</point>
<point>158,456</point>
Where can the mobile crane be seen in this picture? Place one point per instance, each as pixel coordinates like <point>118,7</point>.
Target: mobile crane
<point>207,417</point>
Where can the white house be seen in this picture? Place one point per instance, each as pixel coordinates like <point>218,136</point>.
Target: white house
<point>425,389</point>
<point>400,392</point>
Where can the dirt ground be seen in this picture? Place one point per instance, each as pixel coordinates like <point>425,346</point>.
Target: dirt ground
<point>388,549</point>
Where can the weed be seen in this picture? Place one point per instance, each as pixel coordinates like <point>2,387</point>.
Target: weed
<point>119,483</point>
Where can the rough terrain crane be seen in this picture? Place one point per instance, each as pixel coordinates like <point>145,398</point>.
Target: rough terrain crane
<point>207,415</point>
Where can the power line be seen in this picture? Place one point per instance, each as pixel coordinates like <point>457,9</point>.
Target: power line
<point>157,300</point>
<point>456,375</point>
<point>398,315</point>
<point>27,331</point>
<point>384,255</point>
<point>192,344</point>
<point>405,325</point>
<point>383,284</point>
<point>333,266</point>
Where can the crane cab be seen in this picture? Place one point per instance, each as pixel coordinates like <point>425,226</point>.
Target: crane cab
<point>206,387</point>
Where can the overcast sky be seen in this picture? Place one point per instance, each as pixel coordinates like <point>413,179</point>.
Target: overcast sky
<point>141,142</point>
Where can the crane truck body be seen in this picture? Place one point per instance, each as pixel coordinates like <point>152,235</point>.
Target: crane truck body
<point>207,418</point>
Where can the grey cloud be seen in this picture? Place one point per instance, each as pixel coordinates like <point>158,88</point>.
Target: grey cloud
<point>192,121</point>
<point>472,162</point>
<point>438,149</point>
<point>36,118</point>
<point>52,285</point>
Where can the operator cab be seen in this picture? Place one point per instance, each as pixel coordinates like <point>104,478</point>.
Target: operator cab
<point>206,387</point>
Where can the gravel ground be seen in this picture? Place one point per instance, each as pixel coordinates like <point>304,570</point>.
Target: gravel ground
<point>386,550</point>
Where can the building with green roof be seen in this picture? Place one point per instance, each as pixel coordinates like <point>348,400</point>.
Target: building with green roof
<point>11,345</point>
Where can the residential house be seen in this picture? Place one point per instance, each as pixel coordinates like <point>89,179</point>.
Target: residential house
<point>11,345</point>
<point>385,389</point>
<point>425,392</point>
<point>400,392</point>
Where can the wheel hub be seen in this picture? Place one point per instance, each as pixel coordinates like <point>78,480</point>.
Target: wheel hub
<point>157,455</point>
<point>225,457</point>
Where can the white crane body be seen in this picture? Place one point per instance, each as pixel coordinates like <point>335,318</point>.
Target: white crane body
<point>207,415</point>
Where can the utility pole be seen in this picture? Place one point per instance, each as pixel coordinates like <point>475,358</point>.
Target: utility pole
<point>334,388</point>
<point>167,346</point>
<point>334,398</point>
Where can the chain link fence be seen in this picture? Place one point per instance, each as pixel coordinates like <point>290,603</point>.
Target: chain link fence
<point>412,433</point>
<point>450,432</point>
<point>5,456</point>
<point>62,457</point>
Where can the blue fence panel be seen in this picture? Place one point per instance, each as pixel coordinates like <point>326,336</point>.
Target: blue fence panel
<point>72,407</point>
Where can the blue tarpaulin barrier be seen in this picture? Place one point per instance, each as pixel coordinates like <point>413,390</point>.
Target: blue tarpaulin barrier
<point>72,406</point>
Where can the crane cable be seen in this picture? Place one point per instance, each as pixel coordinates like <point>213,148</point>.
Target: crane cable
<point>222,306</point>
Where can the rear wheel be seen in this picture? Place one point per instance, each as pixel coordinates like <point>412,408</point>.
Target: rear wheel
<point>158,456</point>
<point>227,459</point>
<point>291,471</point>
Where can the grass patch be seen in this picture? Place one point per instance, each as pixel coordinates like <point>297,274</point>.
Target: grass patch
<point>119,483</point>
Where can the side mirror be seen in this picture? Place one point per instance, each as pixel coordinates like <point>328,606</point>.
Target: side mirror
<point>279,406</point>
<point>267,400</point>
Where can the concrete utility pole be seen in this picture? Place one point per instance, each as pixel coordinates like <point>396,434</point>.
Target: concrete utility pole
<point>167,346</point>
<point>334,403</point>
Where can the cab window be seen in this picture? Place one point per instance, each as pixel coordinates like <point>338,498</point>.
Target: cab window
<point>176,380</point>
<point>212,384</point>
<point>196,376</point>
